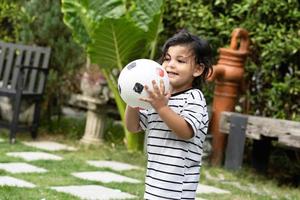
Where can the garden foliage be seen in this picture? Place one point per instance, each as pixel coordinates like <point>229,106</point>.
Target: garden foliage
<point>113,33</point>
<point>40,23</point>
<point>272,80</point>
<point>10,19</point>
<point>47,28</point>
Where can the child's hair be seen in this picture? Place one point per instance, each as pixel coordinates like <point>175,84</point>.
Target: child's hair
<point>200,48</point>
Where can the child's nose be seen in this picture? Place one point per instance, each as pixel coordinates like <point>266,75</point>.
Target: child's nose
<point>170,63</point>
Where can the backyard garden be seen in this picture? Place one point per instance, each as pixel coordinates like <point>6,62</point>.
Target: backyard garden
<point>80,107</point>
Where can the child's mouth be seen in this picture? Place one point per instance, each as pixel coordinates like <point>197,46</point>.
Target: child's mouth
<point>172,74</point>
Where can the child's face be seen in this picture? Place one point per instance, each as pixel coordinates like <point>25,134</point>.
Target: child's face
<point>180,65</point>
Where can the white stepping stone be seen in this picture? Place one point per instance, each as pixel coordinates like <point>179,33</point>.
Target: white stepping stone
<point>105,177</point>
<point>49,146</point>
<point>94,192</point>
<point>14,182</point>
<point>31,156</point>
<point>206,189</point>
<point>21,168</point>
<point>118,166</point>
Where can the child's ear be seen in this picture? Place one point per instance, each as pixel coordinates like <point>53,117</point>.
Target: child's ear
<point>198,70</point>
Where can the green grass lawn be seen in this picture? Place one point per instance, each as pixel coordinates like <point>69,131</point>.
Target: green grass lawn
<point>243,184</point>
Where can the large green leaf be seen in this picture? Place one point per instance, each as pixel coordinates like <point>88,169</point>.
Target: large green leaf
<point>143,12</point>
<point>155,28</point>
<point>83,15</point>
<point>148,16</point>
<point>115,42</point>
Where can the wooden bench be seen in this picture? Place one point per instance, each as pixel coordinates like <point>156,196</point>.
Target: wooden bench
<point>262,130</point>
<point>23,74</point>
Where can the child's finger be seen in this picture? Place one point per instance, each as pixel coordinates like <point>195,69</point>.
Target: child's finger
<point>145,99</point>
<point>168,95</point>
<point>162,86</point>
<point>155,87</point>
<point>150,93</point>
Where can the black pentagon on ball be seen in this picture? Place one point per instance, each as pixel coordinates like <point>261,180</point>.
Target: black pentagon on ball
<point>131,65</point>
<point>138,88</point>
<point>119,88</point>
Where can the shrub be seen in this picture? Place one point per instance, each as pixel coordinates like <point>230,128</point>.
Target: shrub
<point>10,18</point>
<point>272,79</point>
<point>44,26</point>
<point>40,22</point>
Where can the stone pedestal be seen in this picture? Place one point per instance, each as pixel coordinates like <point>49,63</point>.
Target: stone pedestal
<point>94,120</point>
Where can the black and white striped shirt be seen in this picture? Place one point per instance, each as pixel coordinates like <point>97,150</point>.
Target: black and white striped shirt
<point>173,168</point>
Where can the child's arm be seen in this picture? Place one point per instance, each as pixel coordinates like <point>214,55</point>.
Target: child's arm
<point>159,101</point>
<point>132,119</point>
<point>176,123</point>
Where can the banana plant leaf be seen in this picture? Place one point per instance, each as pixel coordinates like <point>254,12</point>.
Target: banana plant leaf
<point>82,15</point>
<point>148,16</point>
<point>115,32</point>
<point>115,41</point>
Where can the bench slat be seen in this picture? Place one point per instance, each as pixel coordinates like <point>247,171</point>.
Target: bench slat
<point>3,50</point>
<point>45,64</point>
<point>27,61</point>
<point>34,73</point>
<point>18,54</point>
<point>8,65</point>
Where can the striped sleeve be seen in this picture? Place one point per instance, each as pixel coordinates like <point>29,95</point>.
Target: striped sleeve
<point>194,110</point>
<point>143,119</point>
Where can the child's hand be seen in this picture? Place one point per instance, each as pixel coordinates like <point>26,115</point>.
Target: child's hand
<point>158,97</point>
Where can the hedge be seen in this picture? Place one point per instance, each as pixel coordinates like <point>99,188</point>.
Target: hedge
<point>272,79</point>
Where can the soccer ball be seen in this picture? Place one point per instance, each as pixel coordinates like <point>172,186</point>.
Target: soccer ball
<point>135,76</point>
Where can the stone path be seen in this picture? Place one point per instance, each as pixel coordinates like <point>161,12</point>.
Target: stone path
<point>114,165</point>
<point>50,146</point>
<point>21,168</point>
<point>10,181</point>
<point>105,177</point>
<point>92,192</point>
<point>206,189</point>
<point>242,187</point>
<point>32,156</point>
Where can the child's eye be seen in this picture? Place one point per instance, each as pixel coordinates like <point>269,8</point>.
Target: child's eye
<point>166,58</point>
<point>181,61</point>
